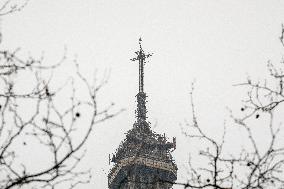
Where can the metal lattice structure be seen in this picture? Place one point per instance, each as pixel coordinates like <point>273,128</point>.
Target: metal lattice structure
<point>143,160</point>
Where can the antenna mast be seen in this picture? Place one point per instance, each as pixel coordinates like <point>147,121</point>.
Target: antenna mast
<point>141,56</point>
<point>141,96</point>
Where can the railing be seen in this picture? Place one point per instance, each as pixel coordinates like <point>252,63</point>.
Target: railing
<point>142,161</point>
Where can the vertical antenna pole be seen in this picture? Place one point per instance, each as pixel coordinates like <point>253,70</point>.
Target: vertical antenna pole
<point>141,96</point>
<point>141,75</point>
<point>141,56</point>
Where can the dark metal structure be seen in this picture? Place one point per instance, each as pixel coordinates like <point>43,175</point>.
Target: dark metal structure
<point>143,160</point>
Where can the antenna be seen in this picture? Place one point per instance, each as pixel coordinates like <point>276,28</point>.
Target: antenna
<point>141,56</point>
<point>141,96</point>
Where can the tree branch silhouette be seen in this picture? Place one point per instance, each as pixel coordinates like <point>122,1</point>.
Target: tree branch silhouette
<point>254,166</point>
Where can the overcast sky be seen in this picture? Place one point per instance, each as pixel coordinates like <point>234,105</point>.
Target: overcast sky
<point>215,43</point>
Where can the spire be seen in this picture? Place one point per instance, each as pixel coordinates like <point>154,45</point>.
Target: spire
<point>141,56</point>
<point>144,157</point>
<point>141,96</point>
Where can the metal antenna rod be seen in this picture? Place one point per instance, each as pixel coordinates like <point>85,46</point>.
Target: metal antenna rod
<point>141,96</point>
<point>141,58</point>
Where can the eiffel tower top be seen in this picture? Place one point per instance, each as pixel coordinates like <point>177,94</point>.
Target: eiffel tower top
<point>141,133</point>
<point>143,152</point>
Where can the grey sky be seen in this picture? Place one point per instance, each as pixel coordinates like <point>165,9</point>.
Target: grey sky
<point>216,43</point>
